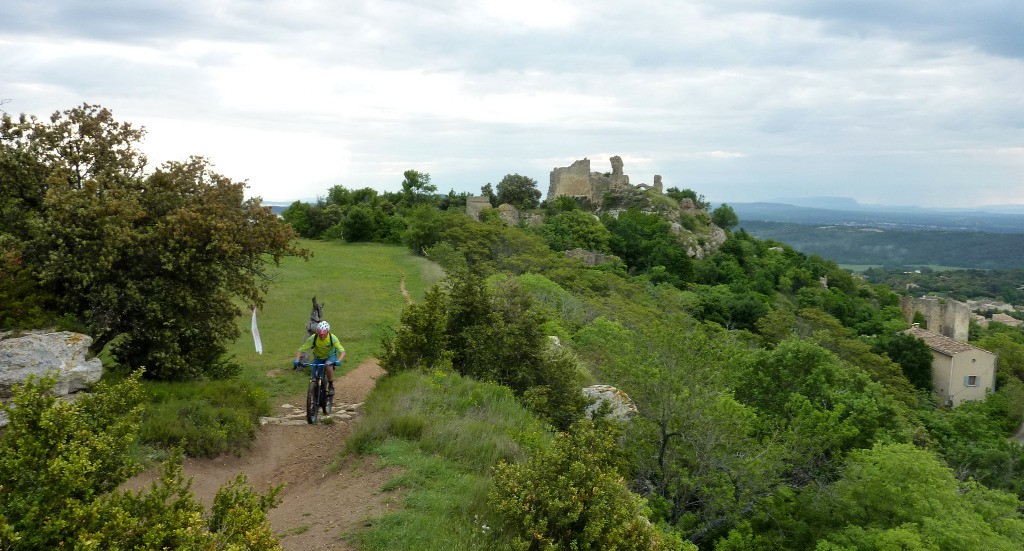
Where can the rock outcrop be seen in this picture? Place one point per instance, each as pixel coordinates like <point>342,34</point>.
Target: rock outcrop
<point>63,353</point>
<point>621,406</point>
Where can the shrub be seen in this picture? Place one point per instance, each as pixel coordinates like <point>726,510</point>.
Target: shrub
<point>61,461</point>
<point>204,419</point>
<point>571,496</point>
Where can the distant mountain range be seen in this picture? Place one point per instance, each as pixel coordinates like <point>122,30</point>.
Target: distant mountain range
<point>844,211</point>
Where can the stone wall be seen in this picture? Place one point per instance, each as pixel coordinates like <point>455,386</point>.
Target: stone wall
<point>944,316</point>
<point>572,180</point>
<point>475,204</point>
<point>577,180</point>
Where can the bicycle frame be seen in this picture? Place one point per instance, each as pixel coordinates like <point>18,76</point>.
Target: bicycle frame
<point>317,397</point>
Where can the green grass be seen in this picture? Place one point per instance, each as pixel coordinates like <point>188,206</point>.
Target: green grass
<point>205,418</point>
<point>446,432</point>
<point>359,286</point>
<point>440,504</point>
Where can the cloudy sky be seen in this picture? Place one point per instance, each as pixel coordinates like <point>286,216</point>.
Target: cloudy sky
<point>907,102</point>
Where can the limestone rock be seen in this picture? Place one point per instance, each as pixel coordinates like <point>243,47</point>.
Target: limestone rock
<point>622,408</point>
<point>37,354</point>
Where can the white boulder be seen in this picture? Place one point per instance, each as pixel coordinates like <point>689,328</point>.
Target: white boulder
<point>622,407</point>
<point>63,353</point>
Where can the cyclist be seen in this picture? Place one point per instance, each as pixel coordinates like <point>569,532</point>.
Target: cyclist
<point>326,349</point>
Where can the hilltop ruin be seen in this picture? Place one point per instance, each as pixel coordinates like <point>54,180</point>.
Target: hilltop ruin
<point>577,180</point>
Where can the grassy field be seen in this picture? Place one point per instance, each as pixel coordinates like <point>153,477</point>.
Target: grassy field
<point>358,284</point>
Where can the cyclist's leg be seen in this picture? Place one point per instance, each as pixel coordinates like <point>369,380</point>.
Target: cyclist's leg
<point>330,372</point>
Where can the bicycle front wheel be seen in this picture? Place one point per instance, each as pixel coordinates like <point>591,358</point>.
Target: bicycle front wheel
<point>326,401</point>
<point>312,397</point>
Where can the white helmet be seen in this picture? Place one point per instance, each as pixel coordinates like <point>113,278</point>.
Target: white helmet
<point>323,326</point>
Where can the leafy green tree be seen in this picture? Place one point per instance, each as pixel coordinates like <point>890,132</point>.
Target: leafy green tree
<point>424,228</point>
<point>1009,347</point>
<point>22,190</point>
<point>312,220</point>
<point>23,305</point>
<point>488,191</point>
<point>575,229</point>
<point>913,355</point>
<point>415,185</point>
<point>975,440</point>
<point>519,191</point>
<point>730,308</point>
<point>491,336</point>
<point>161,260</point>
<point>725,217</point>
<point>897,491</point>
<point>645,240</point>
<point>891,496</point>
<point>199,248</point>
<point>822,409</point>
<point>359,224</point>
<point>421,340</point>
<point>693,445</point>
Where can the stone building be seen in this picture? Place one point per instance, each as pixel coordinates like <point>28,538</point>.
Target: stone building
<point>942,315</point>
<point>577,180</point>
<point>960,372</point>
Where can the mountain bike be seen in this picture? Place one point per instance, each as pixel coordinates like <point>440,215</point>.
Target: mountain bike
<point>317,397</point>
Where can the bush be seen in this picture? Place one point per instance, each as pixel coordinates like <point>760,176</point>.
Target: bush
<point>204,420</point>
<point>571,496</point>
<point>60,463</point>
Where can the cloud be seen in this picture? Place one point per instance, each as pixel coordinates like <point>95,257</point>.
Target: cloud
<point>743,96</point>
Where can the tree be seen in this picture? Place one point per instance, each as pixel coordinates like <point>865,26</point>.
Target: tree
<point>645,240</point>
<point>898,490</point>
<point>574,229</point>
<point>724,217</point>
<point>890,496</point>
<point>491,336</point>
<point>415,184</point>
<point>913,355</point>
<point>163,260</point>
<point>359,224</point>
<point>519,191</point>
<point>424,228</point>
<point>487,190</point>
<point>694,447</point>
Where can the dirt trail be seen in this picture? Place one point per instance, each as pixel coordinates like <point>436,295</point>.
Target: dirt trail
<point>318,507</point>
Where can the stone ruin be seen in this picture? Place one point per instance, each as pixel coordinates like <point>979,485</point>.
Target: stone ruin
<point>577,180</point>
<point>942,315</point>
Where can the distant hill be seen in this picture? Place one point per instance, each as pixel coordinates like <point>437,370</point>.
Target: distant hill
<point>854,214</point>
<point>853,244</point>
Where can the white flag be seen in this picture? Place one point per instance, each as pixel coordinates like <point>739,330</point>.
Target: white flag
<point>256,333</point>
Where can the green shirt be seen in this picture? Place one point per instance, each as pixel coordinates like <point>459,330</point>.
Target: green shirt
<point>322,348</point>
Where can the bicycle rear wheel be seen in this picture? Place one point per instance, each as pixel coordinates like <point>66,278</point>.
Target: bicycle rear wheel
<point>312,397</point>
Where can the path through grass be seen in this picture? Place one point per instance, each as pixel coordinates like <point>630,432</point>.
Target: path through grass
<point>359,285</point>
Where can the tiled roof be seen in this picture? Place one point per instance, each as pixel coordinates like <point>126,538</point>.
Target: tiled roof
<point>940,343</point>
<point>1008,320</point>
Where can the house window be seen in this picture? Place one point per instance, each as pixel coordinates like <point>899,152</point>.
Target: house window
<point>971,380</point>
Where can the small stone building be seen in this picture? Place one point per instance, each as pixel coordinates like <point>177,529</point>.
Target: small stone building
<point>960,371</point>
